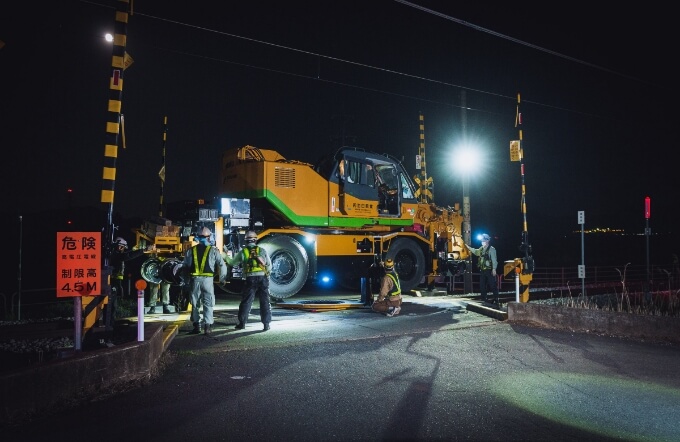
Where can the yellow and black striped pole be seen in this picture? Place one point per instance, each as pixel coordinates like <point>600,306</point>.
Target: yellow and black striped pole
<point>525,230</point>
<point>522,268</point>
<point>161,174</point>
<point>114,111</point>
<point>113,129</point>
<point>424,191</point>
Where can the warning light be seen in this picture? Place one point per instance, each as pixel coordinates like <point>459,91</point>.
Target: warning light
<point>140,284</point>
<point>648,207</point>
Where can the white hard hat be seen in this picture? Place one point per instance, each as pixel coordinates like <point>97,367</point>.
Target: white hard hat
<point>121,241</point>
<point>251,236</point>
<point>205,232</point>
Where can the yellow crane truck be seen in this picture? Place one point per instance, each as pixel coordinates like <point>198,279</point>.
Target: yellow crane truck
<point>336,219</point>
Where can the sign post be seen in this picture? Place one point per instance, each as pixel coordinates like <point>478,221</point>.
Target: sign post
<point>582,267</point>
<point>78,271</point>
<point>648,213</point>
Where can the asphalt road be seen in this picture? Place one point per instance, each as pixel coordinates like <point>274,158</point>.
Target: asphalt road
<point>436,372</point>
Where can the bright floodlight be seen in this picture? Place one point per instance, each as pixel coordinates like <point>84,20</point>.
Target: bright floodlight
<point>108,37</point>
<point>467,160</point>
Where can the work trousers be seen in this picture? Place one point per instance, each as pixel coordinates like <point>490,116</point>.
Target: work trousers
<point>255,286</point>
<point>165,293</point>
<point>384,305</point>
<point>202,293</point>
<point>487,281</point>
<point>112,305</point>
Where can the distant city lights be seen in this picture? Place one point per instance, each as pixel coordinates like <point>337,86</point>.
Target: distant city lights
<point>609,231</point>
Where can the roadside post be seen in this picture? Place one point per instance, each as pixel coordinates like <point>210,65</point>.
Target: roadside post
<point>582,268</point>
<point>648,213</point>
<point>141,286</point>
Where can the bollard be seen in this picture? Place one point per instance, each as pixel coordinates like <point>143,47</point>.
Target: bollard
<point>364,291</point>
<point>78,322</point>
<point>140,285</point>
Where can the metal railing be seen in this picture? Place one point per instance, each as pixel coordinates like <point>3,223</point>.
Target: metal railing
<point>632,277</point>
<point>32,301</point>
<point>597,278</point>
<point>553,278</point>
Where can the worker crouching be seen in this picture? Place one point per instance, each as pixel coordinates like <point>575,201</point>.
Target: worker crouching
<point>389,298</point>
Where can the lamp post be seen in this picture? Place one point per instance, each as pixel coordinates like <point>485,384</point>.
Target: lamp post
<point>467,231</point>
<point>466,162</point>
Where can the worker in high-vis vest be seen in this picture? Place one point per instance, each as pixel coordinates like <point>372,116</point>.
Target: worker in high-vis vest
<point>487,262</point>
<point>256,266</point>
<point>120,255</point>
<point>389,298</point>
<point>201,262</point>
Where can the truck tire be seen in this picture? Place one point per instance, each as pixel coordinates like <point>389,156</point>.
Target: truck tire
<point>409,262</point>
<point>290,265</point>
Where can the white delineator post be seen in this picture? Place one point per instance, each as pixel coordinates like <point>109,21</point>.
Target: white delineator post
<point>140,285</point>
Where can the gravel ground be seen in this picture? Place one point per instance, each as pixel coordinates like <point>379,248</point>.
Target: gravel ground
<point>45,344</point>
<point>16,352</point>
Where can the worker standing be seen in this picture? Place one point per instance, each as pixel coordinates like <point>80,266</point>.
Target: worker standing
<point>120,255</point>
<point>201,262</point>
<point>257,266</point>
<point>164,288</point>
<point>487,262</point>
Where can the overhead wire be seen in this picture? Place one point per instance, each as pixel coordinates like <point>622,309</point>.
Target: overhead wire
<point>377,68</point>
<point>516,40</point>
<point>363,65</point>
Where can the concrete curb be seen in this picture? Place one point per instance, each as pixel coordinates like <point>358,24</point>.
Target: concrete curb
<point>484,309</point>
<point>658,328</point>
<point>28,391</point>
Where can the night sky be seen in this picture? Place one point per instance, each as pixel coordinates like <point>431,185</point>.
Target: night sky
<point>304,77</point>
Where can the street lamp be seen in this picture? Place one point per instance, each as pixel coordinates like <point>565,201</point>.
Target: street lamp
<point>466,162</point>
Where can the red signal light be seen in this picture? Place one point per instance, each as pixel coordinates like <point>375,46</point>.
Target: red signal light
<point>648,207</point>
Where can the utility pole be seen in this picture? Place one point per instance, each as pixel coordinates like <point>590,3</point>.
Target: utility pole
<point>467,222</point>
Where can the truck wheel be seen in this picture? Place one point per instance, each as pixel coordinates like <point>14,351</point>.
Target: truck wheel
<point>290,265</point>
<point>409,263</point>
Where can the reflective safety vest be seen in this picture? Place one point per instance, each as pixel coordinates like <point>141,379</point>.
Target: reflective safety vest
<point>396,290</point>
<point>252,264</point>
<point>484,259</point>
<point>120,274</point>
<point>200,271</point>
